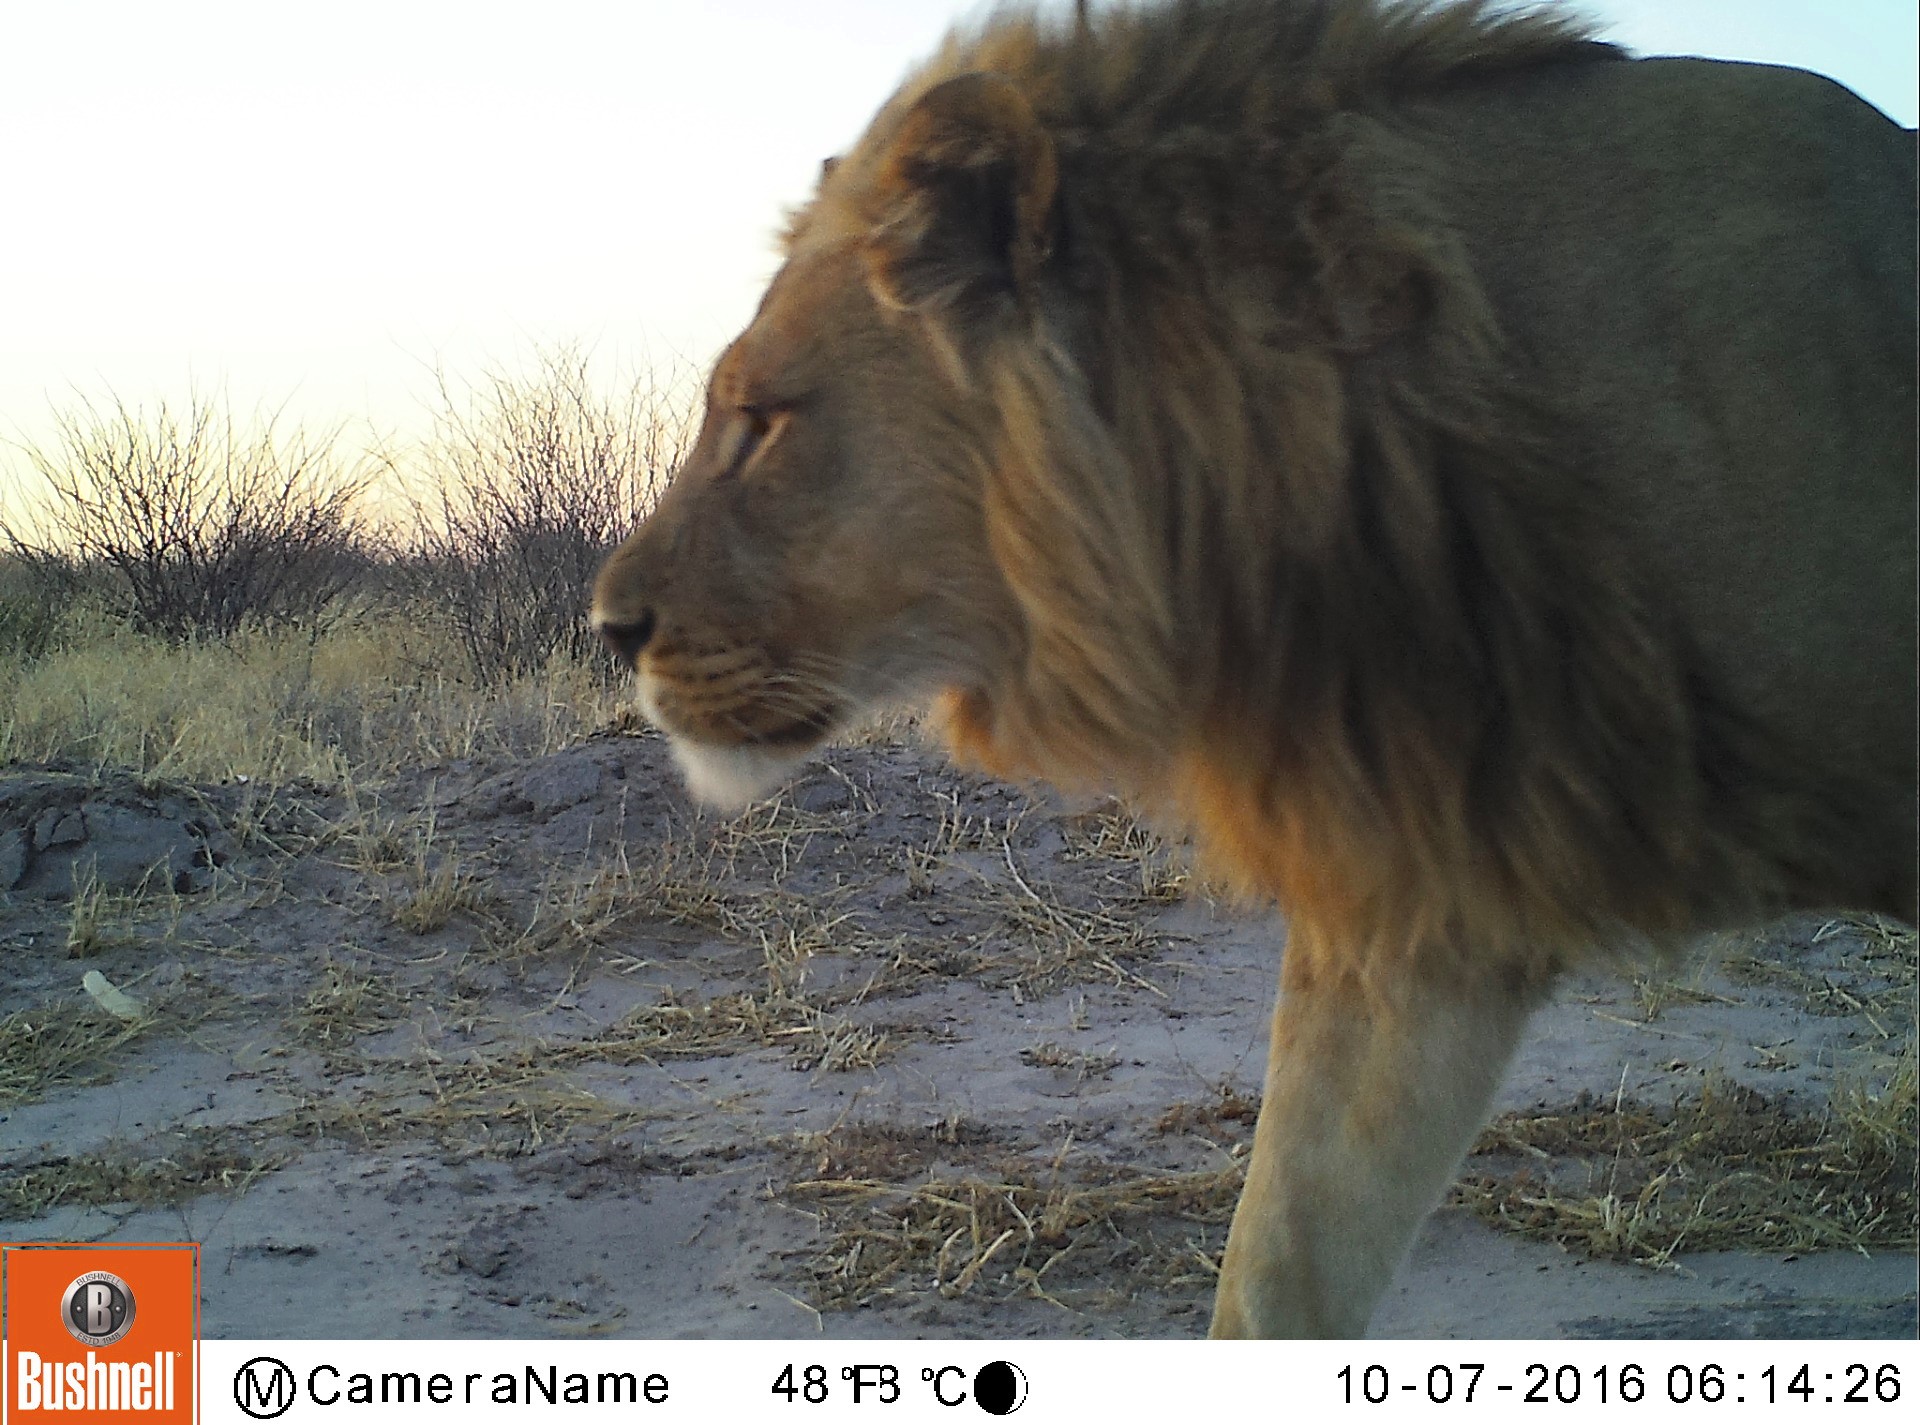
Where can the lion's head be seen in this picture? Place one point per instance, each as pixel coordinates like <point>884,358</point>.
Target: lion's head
<point>823,548</point>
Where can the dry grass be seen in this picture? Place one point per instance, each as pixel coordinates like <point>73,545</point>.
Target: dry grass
<point>1047,942</point>
<point>1875,978</point>
<point>573,911</point>
<point>1231,1113</point>
<point>510,1100</point>
<point>364,700</point>
<point>347,1003</point>
<point>961,830</point>
<point>1728,1169</point>
<point>680,881</point>
<point>436,895</point>
<point>598,905</point>
<point>1731,1168</point>
<point>75,1041</point>
<point>884,727</point>
<point>99,919</point>
<point>1070,1230</point>
<point>283,820</point>
<point>1083,1064</point>
<point>190,1162</point>
<point>436,887</point>
<point>1655,994</point>
<point>694,886</point>
<point>60,1045</point>
<point>816,1036</point>
<point>1012,926</point>
<point>1162,872</point>
<point>816,1029</point>
<point>778,835</point>
<point>510,1106</point>
<point>375,842</point>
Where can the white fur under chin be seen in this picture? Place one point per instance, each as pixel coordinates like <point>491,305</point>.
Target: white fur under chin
<point>732,778</point>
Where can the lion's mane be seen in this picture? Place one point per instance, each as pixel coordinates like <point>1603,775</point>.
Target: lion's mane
<point>1263,469</point>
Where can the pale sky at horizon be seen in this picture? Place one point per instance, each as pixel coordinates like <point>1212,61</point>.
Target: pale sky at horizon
<point>316,205</point>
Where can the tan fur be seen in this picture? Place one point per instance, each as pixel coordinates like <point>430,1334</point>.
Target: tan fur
<point>1465,475</point>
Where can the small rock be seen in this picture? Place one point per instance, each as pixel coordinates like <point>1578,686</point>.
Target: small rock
<point>58,826</point>
<point>110,997</point>
<point>822,797</point>
<point>482,1257</point>
<point>130,848</point>
<point>560,783</point>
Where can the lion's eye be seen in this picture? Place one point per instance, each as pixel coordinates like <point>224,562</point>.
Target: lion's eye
<point>748,431</point>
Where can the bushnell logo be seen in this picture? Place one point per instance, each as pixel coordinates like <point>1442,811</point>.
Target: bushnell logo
<point>110,1357</point>
<point>97,1309</point>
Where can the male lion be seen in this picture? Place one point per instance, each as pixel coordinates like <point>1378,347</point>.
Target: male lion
<point>1464,474</point>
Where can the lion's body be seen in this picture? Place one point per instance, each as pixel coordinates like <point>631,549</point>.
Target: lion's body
<point>1755,443</point>
<point>1468,476</point>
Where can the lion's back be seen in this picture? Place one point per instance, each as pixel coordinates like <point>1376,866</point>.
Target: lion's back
<point>1711,268</point>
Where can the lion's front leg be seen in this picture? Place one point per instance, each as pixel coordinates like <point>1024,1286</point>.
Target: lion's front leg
<point>1376,1084</point>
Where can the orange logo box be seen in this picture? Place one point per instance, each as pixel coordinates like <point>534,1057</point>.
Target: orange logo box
<point>96,1333</point>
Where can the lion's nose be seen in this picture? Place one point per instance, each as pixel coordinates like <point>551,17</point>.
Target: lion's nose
<point>628,638</point>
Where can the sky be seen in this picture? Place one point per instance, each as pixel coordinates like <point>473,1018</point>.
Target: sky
<point>315,206</point>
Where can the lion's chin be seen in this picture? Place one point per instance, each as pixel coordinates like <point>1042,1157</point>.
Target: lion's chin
<point>733,778</point>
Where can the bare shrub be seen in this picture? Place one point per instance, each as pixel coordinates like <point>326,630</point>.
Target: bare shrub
<point>36,590</point>
<point>528,483</point>
<point>206,528</point>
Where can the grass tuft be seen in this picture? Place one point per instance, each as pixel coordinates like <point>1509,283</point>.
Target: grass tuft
<point>899,1220</point>
<point>1728,1169</point>
<point>189,1163</point>
<point>60,1045</point>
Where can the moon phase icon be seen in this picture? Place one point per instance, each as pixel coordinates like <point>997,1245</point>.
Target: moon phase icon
<point>1000,1388</point>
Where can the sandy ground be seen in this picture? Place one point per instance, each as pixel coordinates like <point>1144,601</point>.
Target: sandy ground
<point>538,1050</point>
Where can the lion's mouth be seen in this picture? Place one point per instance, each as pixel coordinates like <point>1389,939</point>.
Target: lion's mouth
<point>800,735</point>
<point>738,725</point>
<point>733,752</point>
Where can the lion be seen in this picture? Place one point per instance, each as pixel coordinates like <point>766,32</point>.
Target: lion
<point>1462,473</point>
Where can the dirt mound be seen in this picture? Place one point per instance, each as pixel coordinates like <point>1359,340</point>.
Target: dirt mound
<point>61,832</point>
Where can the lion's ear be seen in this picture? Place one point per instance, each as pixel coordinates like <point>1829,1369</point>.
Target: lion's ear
<point>968,189</point>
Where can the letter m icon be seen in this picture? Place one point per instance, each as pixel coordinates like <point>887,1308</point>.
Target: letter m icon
<point>264,1388</point>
